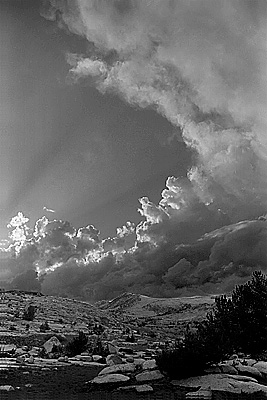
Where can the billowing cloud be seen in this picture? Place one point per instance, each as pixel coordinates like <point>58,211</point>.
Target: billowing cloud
<point>77,263</point>
<point>212,264</point>
<point>202,65</point>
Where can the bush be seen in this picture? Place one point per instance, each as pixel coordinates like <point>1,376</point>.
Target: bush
<point>98,329</point>
<point>77,345</point>
<point>245,316</point>
<point>44,327</point>
<point>237,324</point>
<point>130,338</point>
<point>29,313</point>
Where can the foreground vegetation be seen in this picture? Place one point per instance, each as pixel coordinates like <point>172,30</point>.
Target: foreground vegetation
<point>237,324</point>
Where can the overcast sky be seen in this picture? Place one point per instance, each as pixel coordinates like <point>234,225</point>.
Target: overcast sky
<point>65,146</point>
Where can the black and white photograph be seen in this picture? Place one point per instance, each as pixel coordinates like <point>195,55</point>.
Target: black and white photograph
<point>133,199</point>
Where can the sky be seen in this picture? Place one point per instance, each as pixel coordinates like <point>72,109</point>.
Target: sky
<point>67,147</point>
<point>110,106</point>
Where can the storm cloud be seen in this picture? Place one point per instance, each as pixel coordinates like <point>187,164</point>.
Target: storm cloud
<point>202,65</point>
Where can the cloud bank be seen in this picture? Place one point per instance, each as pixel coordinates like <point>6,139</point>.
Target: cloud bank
<point>77,263</point>
<point>202,65</point>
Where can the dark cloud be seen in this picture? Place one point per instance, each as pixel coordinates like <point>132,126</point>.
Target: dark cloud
<point>165,266</point>
<point>202,65</point>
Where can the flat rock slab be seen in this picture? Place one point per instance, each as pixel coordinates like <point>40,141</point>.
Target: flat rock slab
<point>6,388</point>
<point>247,370</point>
<point>261,366</point>
<point>222,382</point>
<point>138,388</point>
<point>149,376</point>
<point>228,369</point>
<point>139,361</point>
<point>113,359</point>
<point>144,388</point>
<point>149,364</point>
<point>111,378</point>
<point>118,368</point>
<point>86,358</point>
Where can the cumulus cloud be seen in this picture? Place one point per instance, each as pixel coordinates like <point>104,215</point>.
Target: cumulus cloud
<point>202,65</point>
<point>77,263</point>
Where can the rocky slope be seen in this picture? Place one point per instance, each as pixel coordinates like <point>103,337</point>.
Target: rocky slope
<point>31,367</point>
<point>64,316</point>
<point>160,316</point>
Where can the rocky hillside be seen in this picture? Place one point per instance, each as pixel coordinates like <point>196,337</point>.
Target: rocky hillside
<point>159,315</point>
<point>64,316</point>
<point>34,364</point>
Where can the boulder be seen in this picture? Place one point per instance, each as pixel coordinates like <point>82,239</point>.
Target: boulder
<point>147,376</point>
<point>247,370</point>
<point>113,359</point>
<point>249,361</point>
<point>37,349</point>
<point>6,388</point>
<point>20,359</point>
<point>228,369</point>
<point>149,364</point>
<point>144,388</point>
<point>112,348</point>
<point>243,378</point>
<point>139,361</point>
<point>50,343</point>
<point>19,351</point>
<point>222,383</point>
<point>8,348</point>
<point>213,370</point>
<point>111,378</point>
<point>97,357</point>
<point>113,369</point>
<point>33,353</point>
<point>262,367</point>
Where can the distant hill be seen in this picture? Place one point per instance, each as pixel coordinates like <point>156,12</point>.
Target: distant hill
<point>158,317</point>
<point>158,314</point>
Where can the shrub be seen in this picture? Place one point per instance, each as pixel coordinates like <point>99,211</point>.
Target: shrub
<point>98,329</point>
<point>130,338</point>
<point>29,313</point>
<point>237,324</point>
<point>44,327</point>
<point>98,348</point>
<point>77,345</point>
